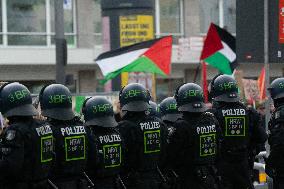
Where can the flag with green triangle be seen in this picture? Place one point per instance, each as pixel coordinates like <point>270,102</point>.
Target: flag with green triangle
<point>219,50</point>
<point>153,56</point>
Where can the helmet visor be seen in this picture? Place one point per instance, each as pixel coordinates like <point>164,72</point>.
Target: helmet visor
<point>229,97</point>
<point>106,121</point>
<point>193,107</point>
<point>59,113</point>
<point>136,106</point>
<point>171,117</point>
<point>24,110</point>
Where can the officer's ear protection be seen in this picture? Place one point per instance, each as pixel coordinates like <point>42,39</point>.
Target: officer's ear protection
<point>84,105</point>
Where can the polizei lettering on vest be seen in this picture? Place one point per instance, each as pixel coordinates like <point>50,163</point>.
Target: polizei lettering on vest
<point>234,112</point>
<point>109,138</point>
<point>150,125</point>
<point>43,130</point>
<point>73,130</point>
<point>206,129</point>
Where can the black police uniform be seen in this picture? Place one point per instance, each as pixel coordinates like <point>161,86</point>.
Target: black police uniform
<point>240,130</point>
<point>144,138</point>
<point>194,144</point>
<point>71,148</point>
<point>104,167</point>
<point>106,144</point>
<point>274,164</point>
<point>27,144</point>
<point>193,149</point>
<point>71,137</point>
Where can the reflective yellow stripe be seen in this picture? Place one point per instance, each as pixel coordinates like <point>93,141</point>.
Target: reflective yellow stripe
<point>262,177</point>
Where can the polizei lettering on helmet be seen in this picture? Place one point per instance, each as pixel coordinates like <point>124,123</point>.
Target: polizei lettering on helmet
<point>150,125</point>
<point>206,129</point>
<point>110,138</point>
<point>234,112</point>
<point>76,130</point>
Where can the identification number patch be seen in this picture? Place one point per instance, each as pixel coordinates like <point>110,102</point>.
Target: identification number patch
<point>75,148</point>
<point>152,141</point>
<point>112,155</point>
<point>46,149</point>
<point>235,126</point>
<point>207,145</point>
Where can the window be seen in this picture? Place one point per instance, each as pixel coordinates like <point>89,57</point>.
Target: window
<point>69,26</point>
<point>210,12</point>
<point>31,22</point>
<point>97,21</point>
<point>169,18</point>
<point>26,22</point>
<point>230,18</point>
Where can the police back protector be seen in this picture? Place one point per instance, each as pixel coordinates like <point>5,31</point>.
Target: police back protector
<point>71,148</point>
<point>148,134</point>
<point>235,125</point>
<point>38,149</point>
<point>109,152</point>
<point>205,139</point>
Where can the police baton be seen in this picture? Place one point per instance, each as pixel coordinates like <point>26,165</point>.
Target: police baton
<point>121,182</point>
<point>161,175</point>
<point>175,174</point>
<point>52,184</point>
<point>89,180</point>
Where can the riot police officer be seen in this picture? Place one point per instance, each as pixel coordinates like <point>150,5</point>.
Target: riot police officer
<point>274,163</point>
<point>144,138</point>
<point>27,144</point>
<point>71,139</point>
<point>193,145</point>
<point>106,146</point>
<point>240,128</point>
<point>169,113</point>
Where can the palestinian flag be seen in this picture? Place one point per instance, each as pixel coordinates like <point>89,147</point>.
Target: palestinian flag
<point>219,50</point>
<point>152,56</point>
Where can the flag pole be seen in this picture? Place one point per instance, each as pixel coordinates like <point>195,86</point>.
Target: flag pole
<point>266,61</point>
<point>204,80</point>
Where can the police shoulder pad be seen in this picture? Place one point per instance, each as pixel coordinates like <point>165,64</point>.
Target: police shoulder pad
<point>10,135</point>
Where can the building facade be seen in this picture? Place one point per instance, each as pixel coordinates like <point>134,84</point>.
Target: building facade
<point>27,50</point>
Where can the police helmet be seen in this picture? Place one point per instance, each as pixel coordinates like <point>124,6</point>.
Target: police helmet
<point>98,111</point>
<point>134,98</point>
<point>153,108</point>
<point>211,88</point>
<point>276,88</point>
<point>226,89</point>
<point>56,102</point>
<point>169,110</point>
<point>189,98</point>
<point>16,100</point>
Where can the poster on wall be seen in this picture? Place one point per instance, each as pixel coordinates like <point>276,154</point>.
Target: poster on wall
<point>136,29</point>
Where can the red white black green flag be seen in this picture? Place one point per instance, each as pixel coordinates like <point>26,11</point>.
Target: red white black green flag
<point>219,50</point>
<point>152,56</point>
